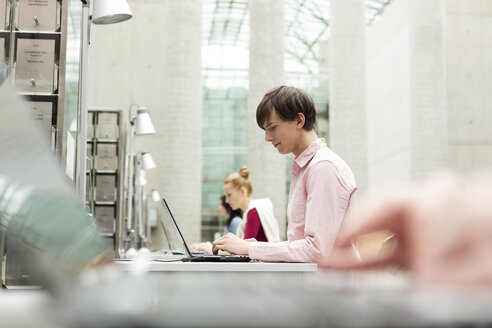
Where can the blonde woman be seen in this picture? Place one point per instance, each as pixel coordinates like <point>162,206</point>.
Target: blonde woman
<point>259,223</point>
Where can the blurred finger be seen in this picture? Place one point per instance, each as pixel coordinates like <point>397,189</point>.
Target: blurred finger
<point>382,216</point>
<point>343,259</point>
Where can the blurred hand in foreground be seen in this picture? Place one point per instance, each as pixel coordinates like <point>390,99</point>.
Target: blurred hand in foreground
<point>442,230</point>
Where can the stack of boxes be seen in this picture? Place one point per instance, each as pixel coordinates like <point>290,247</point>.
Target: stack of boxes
<point>104,168</point>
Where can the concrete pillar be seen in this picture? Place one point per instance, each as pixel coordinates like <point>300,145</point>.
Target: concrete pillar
<point>348,122</point>
<point>427,83</point>
<point>388,113</point>
<point>468,74</point>
<point>181,123</point>
<point>154,60</point>
<point>322,121</point>
<point>266,70</point>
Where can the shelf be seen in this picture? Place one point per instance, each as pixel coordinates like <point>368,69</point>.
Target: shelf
<point>40,96</point>
<point>105,133</point>
<point>108,203</point>
<point>104,110</point>
<point>106,171</point>
<point>106,140</point>
<point>30,34</point>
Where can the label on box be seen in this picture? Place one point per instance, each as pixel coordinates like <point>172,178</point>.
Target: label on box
<point>35,65</point>
<point>37,15</point>
<point>42,113</point>
<point>3,13</point>
<point>2,51</point>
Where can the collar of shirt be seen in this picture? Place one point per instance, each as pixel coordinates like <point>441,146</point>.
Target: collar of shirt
<point>309,152</point>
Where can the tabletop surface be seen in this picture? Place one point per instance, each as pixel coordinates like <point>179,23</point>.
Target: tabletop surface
<point>153,265</point>
<point>115,298</point>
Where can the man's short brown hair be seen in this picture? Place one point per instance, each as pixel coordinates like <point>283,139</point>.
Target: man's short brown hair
<point>287,103</point>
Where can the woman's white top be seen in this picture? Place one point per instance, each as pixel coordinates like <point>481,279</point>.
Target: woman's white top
<point>264,208</point>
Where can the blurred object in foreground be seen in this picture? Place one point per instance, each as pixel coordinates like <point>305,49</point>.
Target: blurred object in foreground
<point>37,205</point>
<point>441,228</point>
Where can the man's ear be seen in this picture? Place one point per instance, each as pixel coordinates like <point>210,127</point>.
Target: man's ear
<point>300,120</point>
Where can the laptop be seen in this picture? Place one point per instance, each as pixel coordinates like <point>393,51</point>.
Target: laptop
<point>201,258</point>
<point>172,250</point>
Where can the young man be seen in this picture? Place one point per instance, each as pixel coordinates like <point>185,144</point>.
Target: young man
<point>322,192</point>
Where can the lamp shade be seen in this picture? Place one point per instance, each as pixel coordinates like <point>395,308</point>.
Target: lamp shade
<point>144,123</point>
<point>147,161</point>
<point>156,197</point>
<point>73,126</point>
<point>110,11</point>
<point>141,179</point>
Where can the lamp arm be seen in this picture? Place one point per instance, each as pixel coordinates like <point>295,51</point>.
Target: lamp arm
<point>130,179</point>
<point>130,111</point>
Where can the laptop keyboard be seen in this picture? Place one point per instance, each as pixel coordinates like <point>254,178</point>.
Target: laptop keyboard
<point>220,258</point>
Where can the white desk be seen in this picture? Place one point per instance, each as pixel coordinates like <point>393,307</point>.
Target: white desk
<point>155,266</point>
<point>224,300</point>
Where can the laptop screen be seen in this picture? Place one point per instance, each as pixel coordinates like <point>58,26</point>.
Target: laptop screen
<point>172,231</point>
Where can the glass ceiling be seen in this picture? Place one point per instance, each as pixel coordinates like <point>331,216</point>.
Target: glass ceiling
<point>225,79</point>
<point>226,34</point>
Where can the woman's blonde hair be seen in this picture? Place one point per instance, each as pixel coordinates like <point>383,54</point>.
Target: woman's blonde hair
<point>240,179</point>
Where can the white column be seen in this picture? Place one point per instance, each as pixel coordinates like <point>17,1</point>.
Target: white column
<point>181,123</point>
<point>428,114</point>
<point>348,122</point>
<point>266,70</point>
<point>322,122</point>
<point>469,100</point>
<point>154,60</point>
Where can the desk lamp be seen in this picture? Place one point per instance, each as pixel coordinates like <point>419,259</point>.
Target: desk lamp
<point>110,11</point>
<point>141,124</point>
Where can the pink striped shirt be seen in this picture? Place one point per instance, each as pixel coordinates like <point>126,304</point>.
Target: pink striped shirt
<point>321,199</point>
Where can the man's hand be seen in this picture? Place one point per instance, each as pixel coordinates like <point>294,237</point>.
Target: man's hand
<point>232,244</point>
